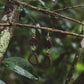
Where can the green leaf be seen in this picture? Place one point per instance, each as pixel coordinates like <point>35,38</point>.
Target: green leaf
<point>20,66</point>
<point>80,66</point>
<point>1,82</point>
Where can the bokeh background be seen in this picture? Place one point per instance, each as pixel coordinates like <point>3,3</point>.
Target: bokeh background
<point>63,46</point>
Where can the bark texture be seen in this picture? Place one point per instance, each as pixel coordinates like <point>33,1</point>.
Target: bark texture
<point>11,13</point>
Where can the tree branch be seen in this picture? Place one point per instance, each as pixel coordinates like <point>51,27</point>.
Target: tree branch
<point>80,79</point>
<point>47,12</point>
<point>44,28</point>
<point>10,14</point>
<point>77,55</point>
<point>68,8</point>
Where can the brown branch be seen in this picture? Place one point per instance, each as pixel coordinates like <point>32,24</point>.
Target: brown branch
<point>71,72</point>
<point>68,8</point>
<point>47,12</point>
<point>4,24</point>
<point>44,28</point>
<point>77,55</point>
<point>80,79</point>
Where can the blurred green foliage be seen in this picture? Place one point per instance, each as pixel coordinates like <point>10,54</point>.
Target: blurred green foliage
<point>63,46</point>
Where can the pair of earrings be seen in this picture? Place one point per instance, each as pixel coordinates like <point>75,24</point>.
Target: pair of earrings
<point>47,58</point>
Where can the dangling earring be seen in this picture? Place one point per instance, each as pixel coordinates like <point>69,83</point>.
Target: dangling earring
<point>33,42</point>
<point>47,57</point>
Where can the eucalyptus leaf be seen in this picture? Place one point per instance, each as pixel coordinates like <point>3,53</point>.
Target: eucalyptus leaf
<point>20,66</point>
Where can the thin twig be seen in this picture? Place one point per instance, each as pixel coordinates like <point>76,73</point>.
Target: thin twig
<point>68,8</point>
<point>48,12</point>
<point>44,28</point>
<point>4,24</point>
<point>77,55</point>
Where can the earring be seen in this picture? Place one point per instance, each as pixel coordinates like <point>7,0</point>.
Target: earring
<point>33,42</point>
<point>47,62</point>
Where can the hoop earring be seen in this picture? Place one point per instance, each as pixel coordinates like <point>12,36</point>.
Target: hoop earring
<point>33,42</point>
<point>47,57</point>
